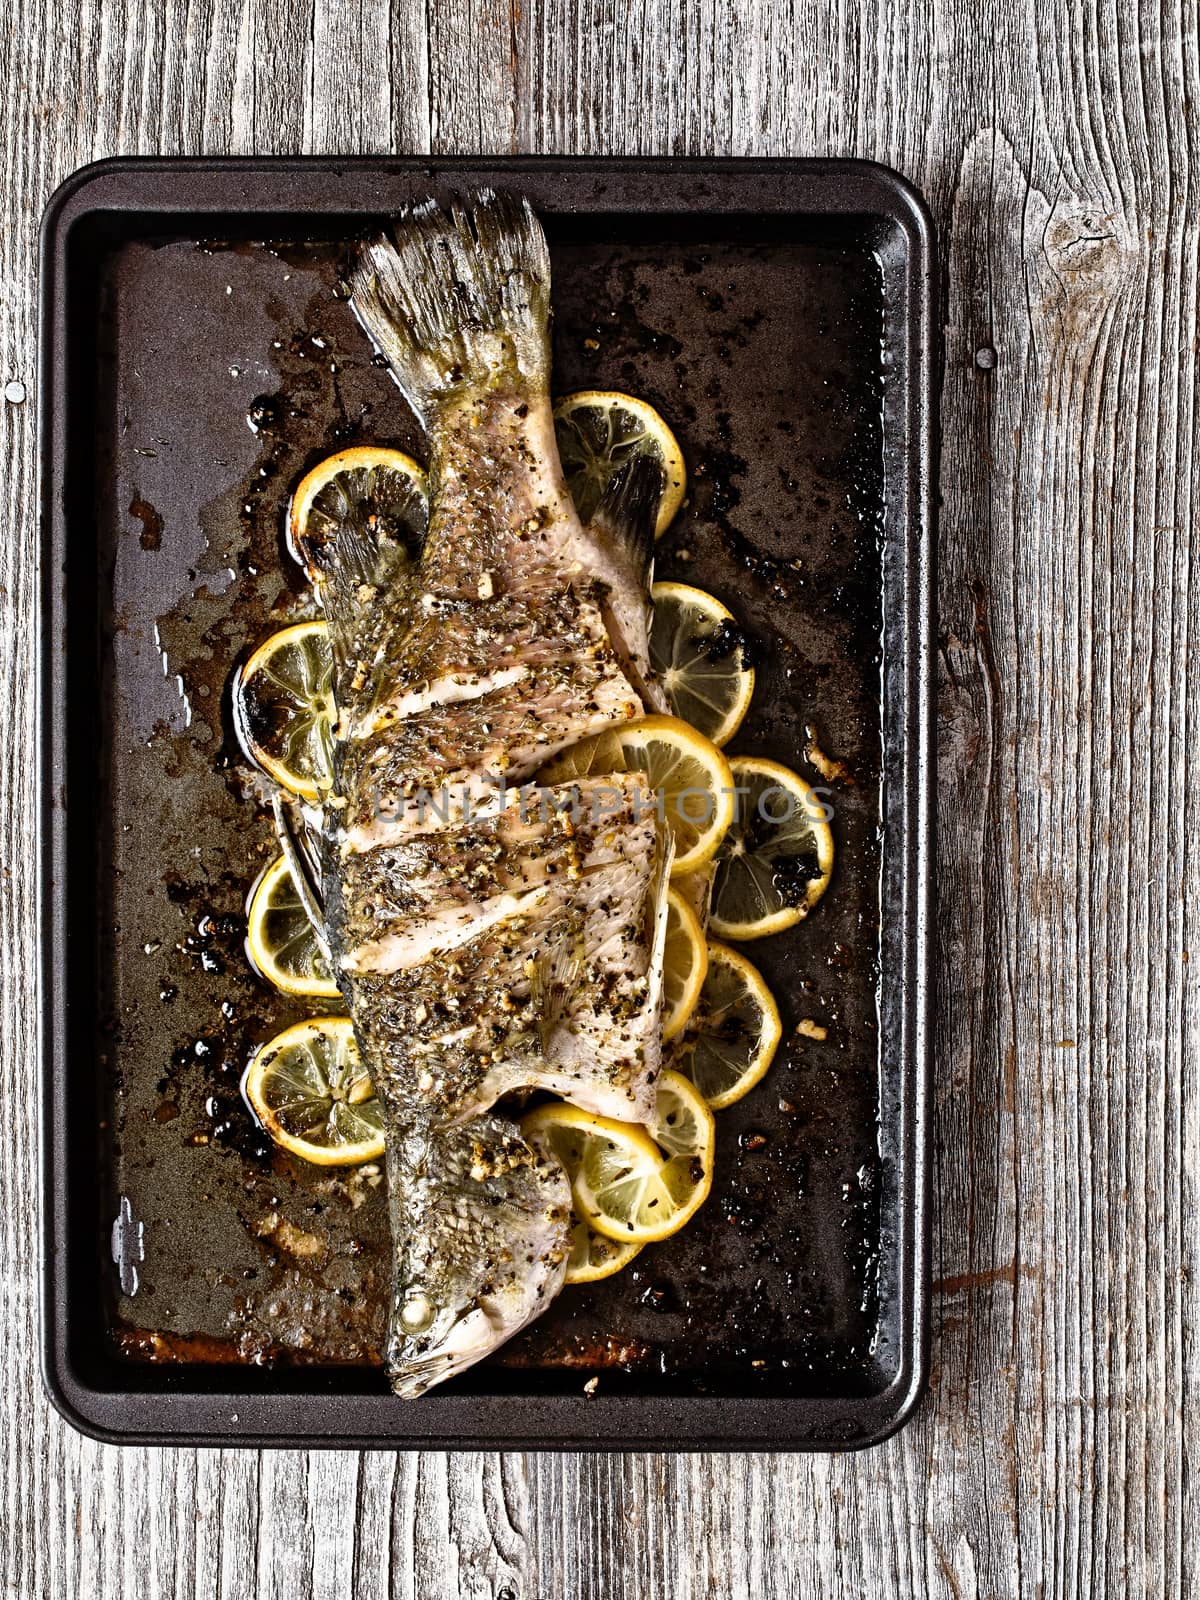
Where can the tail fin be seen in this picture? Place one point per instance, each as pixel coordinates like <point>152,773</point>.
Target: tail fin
<point>459,297</point>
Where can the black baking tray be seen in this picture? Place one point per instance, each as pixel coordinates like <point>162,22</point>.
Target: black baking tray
<point>197,356</point>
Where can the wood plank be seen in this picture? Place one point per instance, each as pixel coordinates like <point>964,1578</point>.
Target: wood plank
<point>1049,1457</point>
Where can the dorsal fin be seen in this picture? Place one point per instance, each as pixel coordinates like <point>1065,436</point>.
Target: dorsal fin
<point>628,511</point>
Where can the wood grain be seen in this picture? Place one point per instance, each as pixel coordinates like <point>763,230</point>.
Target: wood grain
<point>1056,146</point>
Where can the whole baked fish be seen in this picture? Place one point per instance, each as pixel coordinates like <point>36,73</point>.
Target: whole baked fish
<point>490,935</point>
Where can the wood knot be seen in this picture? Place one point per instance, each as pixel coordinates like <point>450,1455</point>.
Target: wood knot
<point>1084,243</point>
<point>1091,254</point>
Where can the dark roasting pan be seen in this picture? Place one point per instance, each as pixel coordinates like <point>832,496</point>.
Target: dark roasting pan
<point>196,358</point>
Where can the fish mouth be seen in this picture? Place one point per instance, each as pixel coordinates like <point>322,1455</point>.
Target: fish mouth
<point>412,1378</point>
<point>463,1338</point>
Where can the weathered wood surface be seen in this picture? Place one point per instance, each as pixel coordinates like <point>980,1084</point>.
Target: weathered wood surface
<point>1054,145</point>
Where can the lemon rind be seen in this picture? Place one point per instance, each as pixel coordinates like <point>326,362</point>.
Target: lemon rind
<point>674,1025</point>
<point>561,1111</point>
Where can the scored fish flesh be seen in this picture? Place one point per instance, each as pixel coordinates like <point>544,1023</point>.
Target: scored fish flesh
<point>490,935</point>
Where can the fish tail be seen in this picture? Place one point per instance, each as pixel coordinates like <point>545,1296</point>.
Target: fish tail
<point>457,298</point>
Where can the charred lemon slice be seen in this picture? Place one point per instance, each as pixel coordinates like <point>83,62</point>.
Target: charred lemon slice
<point>283,708</point>
<point>594,1257</point>
<point>599,432</point>
<point>308,1088</point>
<point>280,940</point>
<point>733,1033</point>
<point>365,485</point>
<point>696,650</point>
<point>685,963</point>
<point>690,780</point>
<point>775,861</point>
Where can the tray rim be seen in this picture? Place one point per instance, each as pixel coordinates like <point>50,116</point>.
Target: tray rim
<point>179,1416</point>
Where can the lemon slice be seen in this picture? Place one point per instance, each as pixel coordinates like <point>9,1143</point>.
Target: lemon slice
<point>579,1142</point>
<point>685,963</point>
<point>280,940</point>
<point>598,432</point>
<point>683,1123</point>
<point>696,650</point>
<point>624,1186</point>
<point>594,1257</point>
<point>308,1088</point>
<point>563,1132</point>
<point>365,485</point>
<point>734,1030</point>
<point>283,708</point>
<point>775,861</point>
<point>689,777</point>
<point>637,1201</point>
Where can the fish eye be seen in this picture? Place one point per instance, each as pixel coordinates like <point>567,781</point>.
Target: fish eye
<point>417,1313</point>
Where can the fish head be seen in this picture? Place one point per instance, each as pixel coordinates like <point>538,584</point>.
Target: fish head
<point>430,1343</point>
<point>484,1251</point>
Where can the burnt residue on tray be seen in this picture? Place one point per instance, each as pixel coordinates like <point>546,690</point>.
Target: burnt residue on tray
<point>232,368</point>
